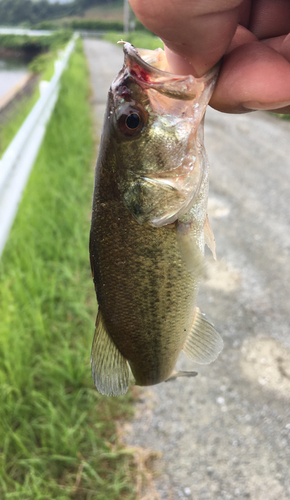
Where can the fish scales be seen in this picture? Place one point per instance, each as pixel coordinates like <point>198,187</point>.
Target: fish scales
<point>147,275</point>
<point>146,290</point>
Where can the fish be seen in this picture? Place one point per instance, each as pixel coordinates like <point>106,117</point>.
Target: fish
<point>149,225</point>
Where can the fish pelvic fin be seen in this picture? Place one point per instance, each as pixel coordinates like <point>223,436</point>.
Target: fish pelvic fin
<point>204,343</point>
<point>110,369</point>
<point>176,375</point>
<point>209,237</point>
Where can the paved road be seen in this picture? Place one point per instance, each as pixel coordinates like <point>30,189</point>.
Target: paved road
<point>226,433</point>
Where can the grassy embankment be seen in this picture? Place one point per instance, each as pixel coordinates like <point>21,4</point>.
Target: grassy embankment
<point>57,434</point>
<point>46,48</point>
<point>14,119</point>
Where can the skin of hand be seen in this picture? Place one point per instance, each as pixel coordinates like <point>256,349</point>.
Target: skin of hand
<point>251,37</point>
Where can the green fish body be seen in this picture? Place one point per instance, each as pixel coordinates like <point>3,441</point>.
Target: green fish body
<point>149,224</point>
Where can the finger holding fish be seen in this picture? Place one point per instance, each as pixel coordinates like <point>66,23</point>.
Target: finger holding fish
<point>251,37</point>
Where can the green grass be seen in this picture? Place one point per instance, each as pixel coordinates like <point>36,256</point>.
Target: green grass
<point>138,39</point>
<point>57,434</point>
<point>15,117</point>
<point>282,117</point>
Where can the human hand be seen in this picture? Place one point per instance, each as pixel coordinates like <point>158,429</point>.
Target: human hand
<point>252,35</point>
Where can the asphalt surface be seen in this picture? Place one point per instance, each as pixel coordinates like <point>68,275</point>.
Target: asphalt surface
<point>226,433</point>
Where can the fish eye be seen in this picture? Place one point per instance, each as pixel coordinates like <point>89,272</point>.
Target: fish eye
<point>130,121</point>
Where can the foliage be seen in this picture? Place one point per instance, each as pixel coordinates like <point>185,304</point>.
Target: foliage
<point>104,25</point>
<point>44,15</point>
<point>31,12</point>
<point>87,4</point>
<point>46,25</point>
<point>40,64</point>
<point>19,11</point>
<point>35,44</point>
<point>57,434</point>
<point>141,40</point>
<point>43,63</point>
<point>86,24</point>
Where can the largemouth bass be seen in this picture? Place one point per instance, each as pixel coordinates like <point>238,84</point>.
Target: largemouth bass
<point>149,225</point>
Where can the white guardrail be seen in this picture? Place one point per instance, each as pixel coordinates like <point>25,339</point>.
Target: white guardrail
<point>18,159</point>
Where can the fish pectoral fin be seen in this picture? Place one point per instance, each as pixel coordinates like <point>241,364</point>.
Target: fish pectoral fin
<point>204,343</point>
<point>110,369</point>
<point>176,375</point>
<point>209,237</point>
<point>189,250</point>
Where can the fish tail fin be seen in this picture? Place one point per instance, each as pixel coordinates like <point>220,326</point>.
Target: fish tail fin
<point>110,369</point>
<point>204,343</point>
<point>176,375</point>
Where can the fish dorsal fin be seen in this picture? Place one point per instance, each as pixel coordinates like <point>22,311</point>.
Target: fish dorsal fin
<point>209,237</point>
<point>203,344</point>
<point>109,367</point>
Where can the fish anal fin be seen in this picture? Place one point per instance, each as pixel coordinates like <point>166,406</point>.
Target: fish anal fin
<point>204,343</point>
<point>110,369</point>
<point>209,237</point>
<point>176,375</point>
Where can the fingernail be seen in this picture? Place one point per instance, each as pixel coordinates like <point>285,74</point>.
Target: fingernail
<point>255,105</point>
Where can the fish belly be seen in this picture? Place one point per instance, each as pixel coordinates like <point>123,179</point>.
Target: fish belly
<point>145,293</point>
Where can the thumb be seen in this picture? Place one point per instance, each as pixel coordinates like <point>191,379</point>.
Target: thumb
<point>196,33</point>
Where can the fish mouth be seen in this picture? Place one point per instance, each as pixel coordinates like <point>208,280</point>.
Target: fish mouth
<point>148,68</point>
<point>154,190</point>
